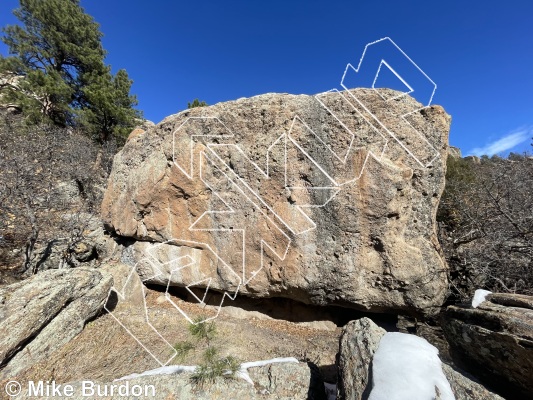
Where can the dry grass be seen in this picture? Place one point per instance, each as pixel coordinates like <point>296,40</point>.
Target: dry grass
<point>105,351</point>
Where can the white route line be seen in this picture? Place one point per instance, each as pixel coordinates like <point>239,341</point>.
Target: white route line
<point>266,175</point>
<point>380,123</point>
<point>122,296</point>
<point>192,244</point>
<point>263,242</point>
<point>405,55</point>
<point>190,174</point>
<point>411,90</point>
<point>344,160</point>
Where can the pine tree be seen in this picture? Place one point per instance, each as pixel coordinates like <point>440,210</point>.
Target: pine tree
<point>107,107</point>
<point>196,103</point>
<point>58,52</point>
<point>213,365</point>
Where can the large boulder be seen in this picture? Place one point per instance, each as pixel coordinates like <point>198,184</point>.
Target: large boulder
<point>494,342</point>
<point>313,198</point>
<point>41,314</point>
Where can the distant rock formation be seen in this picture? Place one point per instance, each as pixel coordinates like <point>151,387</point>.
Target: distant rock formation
<point>454,152</point>
<point>289,196</point>
<point>473,159</point>
<point>9,80</point>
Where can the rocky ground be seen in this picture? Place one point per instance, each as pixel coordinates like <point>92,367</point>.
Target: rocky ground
<point>54,327</point>
<point>105,351</point>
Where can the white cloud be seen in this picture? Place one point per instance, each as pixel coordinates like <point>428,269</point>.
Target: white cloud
<point>505,143</point>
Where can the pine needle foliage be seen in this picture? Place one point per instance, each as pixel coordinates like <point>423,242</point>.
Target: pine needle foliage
<point>196,103</point>
<point>212,364</point>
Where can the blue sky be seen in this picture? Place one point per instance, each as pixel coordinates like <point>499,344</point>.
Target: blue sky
<point>479,53</point>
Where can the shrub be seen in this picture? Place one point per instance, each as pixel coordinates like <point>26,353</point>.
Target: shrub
<point>486,225</point>
<point>196,103</point>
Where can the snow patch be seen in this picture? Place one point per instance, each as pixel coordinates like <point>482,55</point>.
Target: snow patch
<point>407,367</point>
<point>243,372</point>
<point>171,369</point>
<point>178,369</point>
<point>266,362</point>
<point>479,297</point>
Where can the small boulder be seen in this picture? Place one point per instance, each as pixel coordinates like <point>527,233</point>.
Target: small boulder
<point>84,251</point>
<point>358,343</point>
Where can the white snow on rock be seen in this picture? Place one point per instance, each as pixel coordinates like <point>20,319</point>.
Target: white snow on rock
<point>407,367</point>
<point>479,297</point>
<point>178,369</point>
<point>266,362</point>
<point>243,372</point>
<point>171,369</point>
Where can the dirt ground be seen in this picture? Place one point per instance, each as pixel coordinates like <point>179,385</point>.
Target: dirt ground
<point>105,350</point>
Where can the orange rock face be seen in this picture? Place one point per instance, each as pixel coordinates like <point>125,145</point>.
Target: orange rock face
<point>326,199</point>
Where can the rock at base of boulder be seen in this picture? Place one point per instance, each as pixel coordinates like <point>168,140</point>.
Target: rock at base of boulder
<point>287,381</point>
<point>494,342</point>
<point>358,343</point>
<point>467,389</point>
<point>360,340</point>
<point>44,312</point>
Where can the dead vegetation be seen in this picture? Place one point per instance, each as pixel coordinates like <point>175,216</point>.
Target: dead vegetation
<point>104,351</point>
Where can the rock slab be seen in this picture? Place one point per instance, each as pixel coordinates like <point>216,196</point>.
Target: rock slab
<point>494,342</point>
<point>44,312</point>
<point>288,381</point>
